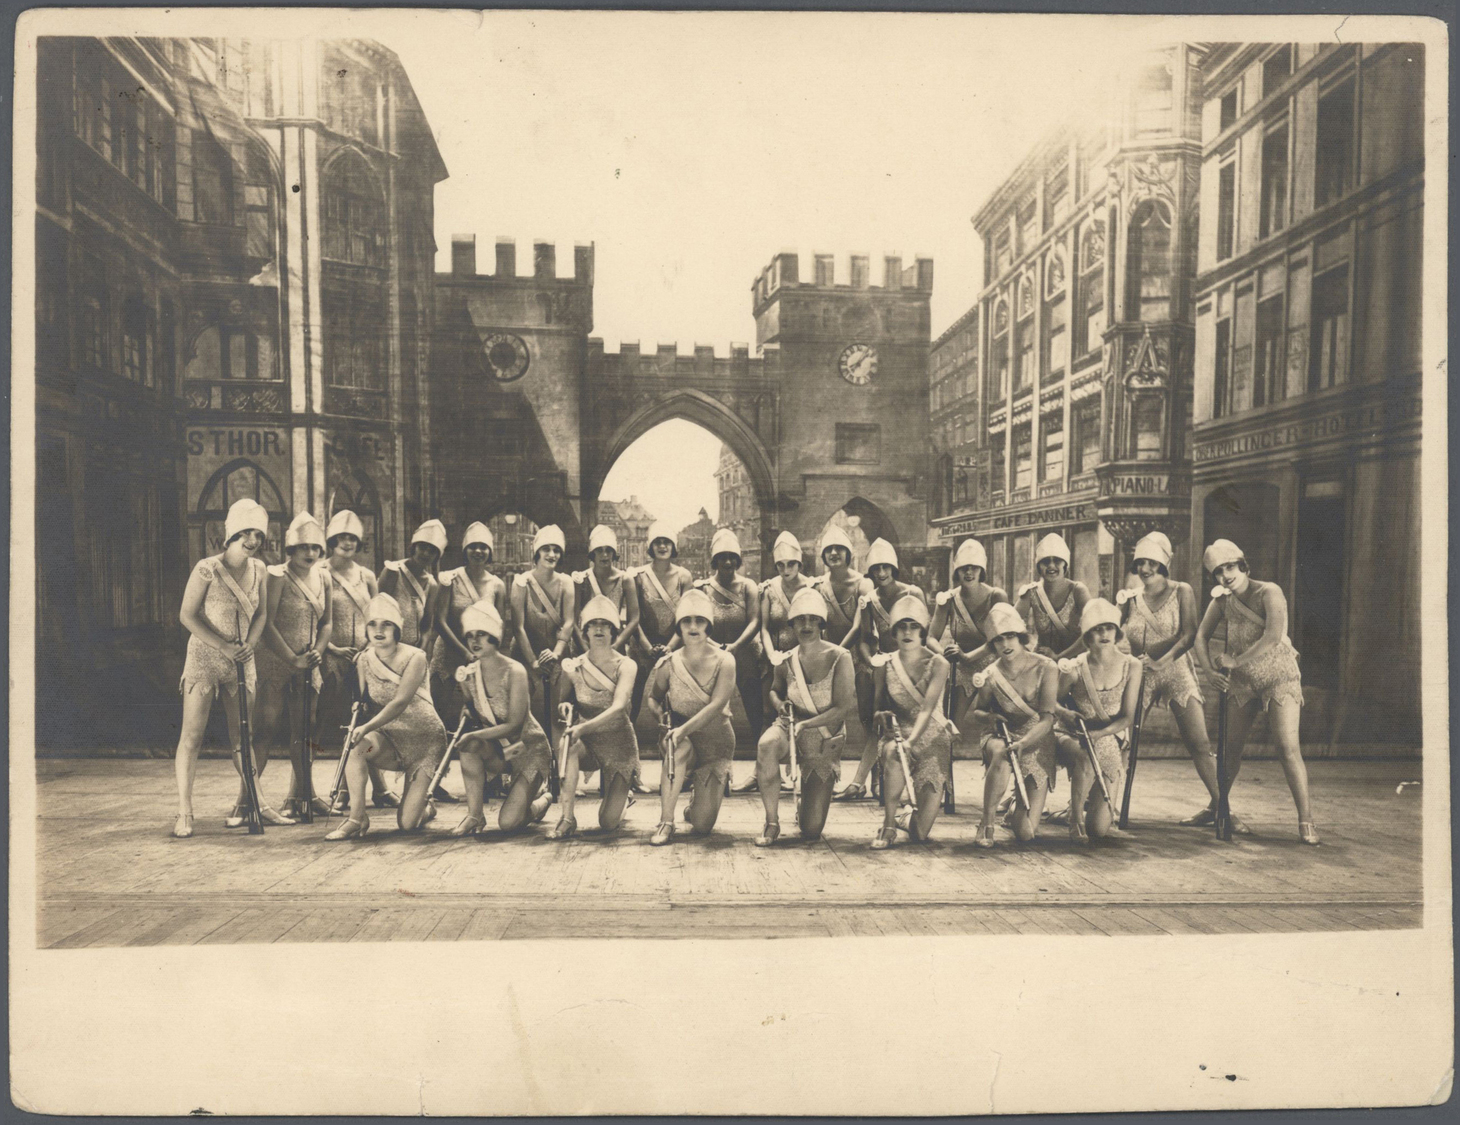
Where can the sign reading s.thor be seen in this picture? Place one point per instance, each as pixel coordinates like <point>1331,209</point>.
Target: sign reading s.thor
<point>1340,423</point>
<point>212,447</point>
<point>1019,521</point>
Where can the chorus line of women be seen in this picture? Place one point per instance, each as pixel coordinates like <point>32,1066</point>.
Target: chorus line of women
<point>1053,678</point>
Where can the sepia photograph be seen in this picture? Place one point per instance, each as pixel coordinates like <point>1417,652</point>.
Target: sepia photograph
<point>896,478</point>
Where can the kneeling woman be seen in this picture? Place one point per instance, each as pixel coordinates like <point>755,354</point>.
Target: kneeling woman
<point>693,685</point>
<point>406,734</point>
<point>1259,669</point>
<point>910,685</point>
<point>600,685</point>
<point>818,682</point>
<point>1105,686</point>
<point>510,741</point>
<point>1017,690</point>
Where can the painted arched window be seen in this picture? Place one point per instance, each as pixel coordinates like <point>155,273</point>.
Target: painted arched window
<point>354,213</point>
<point>1148,263</point>
<point>357,494</point>
<point>1054,274</point>
<point>999,360</point>
<point>238,480</point>
<point>1026,297</point>
<point>1090,289</point>
<point>260,198</point>
<point>212,180</point>
<point>137,344</point>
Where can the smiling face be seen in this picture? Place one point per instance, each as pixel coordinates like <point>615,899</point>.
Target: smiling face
<point>836,557</point>
<point>881,574</point>
<point>549,555</point>
<point>661,549</point>
<point>478,553</point>
<point>1102,637</point>
<point>694,628</point>
<point>345,545</point>
<point>807,628</point>
<point>908,632</point>
<point>788,568</point>
<point>968,576</point>
<point>480,644</point>
<point>1051,567</point>
<point>603,557</point>
<point>305,554</point>
<point>250,540</point>
<point>1147,569</point>
<point>424,555</point>
<point>599,631</point>
<point>382,634</point>
<point>1232,576</point>
<point>1007,644</point>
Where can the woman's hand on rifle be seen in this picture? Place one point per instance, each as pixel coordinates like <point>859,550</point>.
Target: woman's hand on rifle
<point>239,652</point>
<point>952,653</point>
<point>1070,718</point>
<point>546,659</point>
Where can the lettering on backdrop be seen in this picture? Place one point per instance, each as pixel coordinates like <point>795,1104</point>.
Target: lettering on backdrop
<point>1149,484</point>
<point>1337,424</point>
<point>235,443</point>
<point>1011,521</point>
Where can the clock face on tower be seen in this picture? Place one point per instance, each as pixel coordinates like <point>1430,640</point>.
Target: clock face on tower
<point>858,363</point>
<point>507,356</point>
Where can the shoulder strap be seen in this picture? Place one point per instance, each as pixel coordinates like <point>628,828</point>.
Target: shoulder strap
<point>479,694</point>
<point>249,605</point>
<point>315,600</point>
<point>405,572</point>
<point>534,587</point>
<point>357,591</point>
<point>589,671</point>
<point>1010,696</point>
<point>648,572</point>
<point>1239,605</point>
<point>1048,606</point>
<point>798,684</point>
<point>1088,679</point>
<point>962,611</point>
<point>895,663</point>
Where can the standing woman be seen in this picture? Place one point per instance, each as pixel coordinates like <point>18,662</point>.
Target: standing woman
<point>1105,686</point>
<point>511,740</point>
<point>1161,625</point>
<point>411,582</point>
<point>1018,688</point>
<point>458,590</point>
<point>1052,605</point>
<point>844,588</point>
<point>910,686</point>
<point>599,684</point>
<point>963,621</point>
<point>817,680</point>
<point>406,734</point>
<point>659,583</point>
<point>693,685</point>
<point>542,607</point>
<point>737,621</point>
<point>877,635</point>
<point>296,634</point>
<point>351,588</point>
<point>776,635</point>
<point>1259,668</point>
<point>604,579</point>
<point>223,611</point>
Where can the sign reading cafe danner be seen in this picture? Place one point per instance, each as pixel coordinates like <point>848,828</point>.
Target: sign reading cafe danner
<point>1014,521</point>
<point>1377,416</point>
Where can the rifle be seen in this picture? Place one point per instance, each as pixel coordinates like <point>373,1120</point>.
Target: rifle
<point>450,749</point>
<point>566,711</point>
<point>1021,798</point>
<point>907,777</point>
<point>555,778</point>
<point>1084,735</point>
<point>1135,746</point>
<point>246,766</point>
<point>795,765</point>
<point>306,771</point>
<point>1223,818</point>
<point>949,801</point>
<point>666,741</point>
<point>357,711</point>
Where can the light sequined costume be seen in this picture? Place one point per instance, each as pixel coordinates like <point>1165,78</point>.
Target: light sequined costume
<point>614,749</point>
<point>416,734</point>
<point>1145,628</point>
<point>228,608</point>
<point>931,755</point>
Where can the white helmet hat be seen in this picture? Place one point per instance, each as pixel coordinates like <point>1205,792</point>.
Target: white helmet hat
<point>724,542</point>
<point>1005,619</point>
<point>245,515</point>
<point>694,603</point>
<point>432,532</point>
<point>834,536</point>
<point>909,608</point>
<point>482,617</point>
<point>603,536</point>
<point>661,530</point>
<point>345,522</point>
<point>1155,547</point>
<point>600,607</point>
<point>549,536</point>
<point>787,548</point>
<point>970,553</point>
<point>1098,611</point>
<point>1052,546</point>
<point>1220,553</point>
<point>808,602</point>
<point>478,533</point>
<point>882,553</point>
<point>383,607</point>
<point>304,528</point>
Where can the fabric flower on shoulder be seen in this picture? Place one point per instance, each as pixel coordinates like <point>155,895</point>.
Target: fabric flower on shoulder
<point>864,601</point>
<point>1069,666</point>
<point>943,597</point>
<point>776,657</point>
<point>980,678</point>
<point>880,659</point>
<point>465,672</point>
<point>277,569</point>
<point>1025,589</point>
<point>1220,591</point>
<point>1123,596</point>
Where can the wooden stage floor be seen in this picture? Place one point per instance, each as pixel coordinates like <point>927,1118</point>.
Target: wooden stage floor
<point>110,875</point>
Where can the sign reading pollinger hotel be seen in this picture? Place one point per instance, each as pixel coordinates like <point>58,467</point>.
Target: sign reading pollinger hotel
<point>1376,416</point>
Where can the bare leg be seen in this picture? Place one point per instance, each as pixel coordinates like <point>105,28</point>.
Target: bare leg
<point>197,705</point>
<point>1026,821</point>
<point>768,770</point>
<point>1192,723</point>
<point>412,811</point>
<point>892,784</point>
<point>474,776</point>
<point>568,794</point>
<point>1282,720</point>
<point>920,824</point>
<point>516,810</point>
<point>615,798</point>
<point>1099,818</point>
<point>815,801</point>
<point>704,808</point>
<point>1082,778</point>
<point>995,780</point>
<point>669,791</point>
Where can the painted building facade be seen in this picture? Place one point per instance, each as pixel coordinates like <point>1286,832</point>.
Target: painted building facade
<point>1307,407</point>
<point>1063,397</point>
<point>234,261</point>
